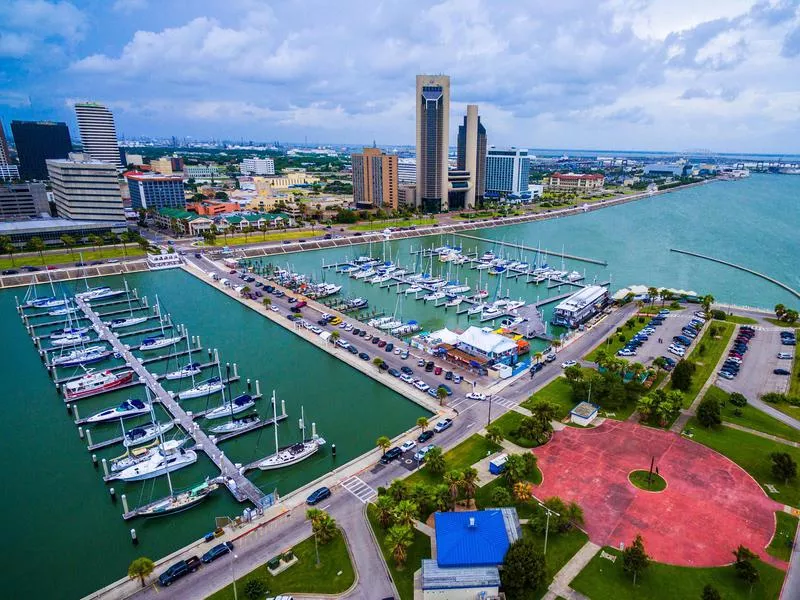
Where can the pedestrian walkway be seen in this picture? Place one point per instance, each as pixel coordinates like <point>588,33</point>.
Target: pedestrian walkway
<point>504,402</point>
<point>364,492</point>
<point>767,436</point>
<point>560,586</point>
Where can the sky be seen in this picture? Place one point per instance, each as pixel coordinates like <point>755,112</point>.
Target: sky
<point>672,75</point>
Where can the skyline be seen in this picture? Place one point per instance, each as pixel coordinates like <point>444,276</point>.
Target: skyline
<point>647,75</point>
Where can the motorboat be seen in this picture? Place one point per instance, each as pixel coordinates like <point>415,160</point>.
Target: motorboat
<point>235,425</point>
<point>455,301</point>
<point>482,266</point>
<point>379,321</point>
<point>145,433</point>
<point>491,311</point>
<point>82,356</point>
<point>239,404</point>
<point>514,304</point>
<point>127,322</point>
<point>189,370</point>
<point>139,455</point>
<point>574,276</point>
<point>129,408</point>
<point>175,502</point>
<point>412,290</point>
<point>487,256</point>
<point>476,308</point>
<point>205,388</point>
<point>381,278</point>
<point>358,303</point>
<point>481,294</point>
<point>391,324</point>
<point>94,383</point>
<point>60,312</point>
<point>497,270</point>
<point>363,273</point>
<point>159,463</point>
<point>99,293</point>
<point>457,289</point>
<point>433,296</point>
<point>155,342</point>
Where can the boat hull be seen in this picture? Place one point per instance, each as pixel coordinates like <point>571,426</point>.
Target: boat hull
<point>270,463</point>
<point>198,393</point>
<point>110,385</point>
<point>137,473</point>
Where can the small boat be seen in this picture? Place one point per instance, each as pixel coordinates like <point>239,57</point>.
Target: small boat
<point>60,312</point>
<point>155,342</point>
<point>139,455</point>
<point>94,383</point>
<point>455,301</point>
<point>413,289</point>
<point>205,388</point>
<point>145,433</point>
<point>48,303</point>
<point>189,370</point>
<point>476,308</point>
<point>293,454</point>
<point>99,293</point>
<point>83,356</point>
<point>175,502</point>
<point>235,425</point>
<point>433,296</point>
<point>497,270</point>
<point>129,408</point>
<point>70,339</point>
<point>67,331</point>
<point>160,463</point>
<point>483,265</point>
<point>481,294</point>
<point>391,324</point>
<point>358,303</point>
<point>574,276</point>
<point>239,404</point>
<point>120,323</point>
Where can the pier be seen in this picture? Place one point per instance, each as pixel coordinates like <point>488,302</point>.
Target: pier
<point>593,261</point>
<point>242,488</point>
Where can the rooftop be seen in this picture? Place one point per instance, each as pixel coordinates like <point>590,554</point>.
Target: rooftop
<point>475,538</point>
<point>486,341</point>
<point>435,577</point>
<point>584,409</point>
<point>588,295</point>
<point>577,176</point>
<point>51,224</point>
<point>140,176</point>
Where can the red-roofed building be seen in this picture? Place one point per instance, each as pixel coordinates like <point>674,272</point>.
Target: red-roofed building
<point>576,181</point>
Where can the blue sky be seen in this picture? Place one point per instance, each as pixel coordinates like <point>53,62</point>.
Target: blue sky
<point>620,74</point>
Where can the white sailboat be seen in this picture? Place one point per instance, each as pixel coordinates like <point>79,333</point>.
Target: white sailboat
<point>236,425</point>
<point>238,405</point>
<point>190,369</point>
<point>145,433</point>
<point>81,356</point>
<point>293,454</point>
<point>212,385</point>
<point>162,340</point>
<point>127,321</point>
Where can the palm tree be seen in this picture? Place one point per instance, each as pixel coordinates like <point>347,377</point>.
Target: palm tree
<point>601,356</point>
<point>441,498</point>
<point>69,243</point>
<point>707,301</point>
<point>383,443</point>
<point>398,490</point>
<point>335,335</point>
<point>245,290</point>
<point>384,507</point>
<point>538,357</point>
<point>514,469</point>
<point>543,412</point>
<point>453,482</point>
<point>268,302</point>
<point>36,244</point>
<point>435,461</point>
<point>780,309</point>
<point>405,513</point>
<point>397,542</point>
<point>573,515</point>
<point>469,481</point>
<point>377,361</point>
<point>96,241</point>
<point>441,394</point>
<point>422,423</point>
<point>494,434</point>
<point>322,524</point>
<point>141,567</point>
<point>652,293</point>
<point>7,247</point>
<point>126,237</point>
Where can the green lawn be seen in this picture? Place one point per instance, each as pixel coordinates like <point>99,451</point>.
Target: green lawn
<point>777,322</point>
<point>466,454</point>
<point>707,357</point>
<point>781,544</point>
<point>752,417</point>
<point>259,238</point>
<point>483,496</point>
<point>640,480</point>
<point>794,384</point>
<point>304,577</point>
<point>558,392</point>
<point>560,548</point>
<point>64,257</point>
<point>381,225</point>
<point>752,454</point>
<point>604,580</point>
<point>419,549</point>
<point>611,344</point>
<point>508,423</point>
<point>739,320</point>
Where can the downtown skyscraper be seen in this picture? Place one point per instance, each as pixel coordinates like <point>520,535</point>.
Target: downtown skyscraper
<point>471,155</point>
<point>98,132</point>
<point>433,141</point>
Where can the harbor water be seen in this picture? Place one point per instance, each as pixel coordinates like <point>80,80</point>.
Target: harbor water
<point>58,508</point>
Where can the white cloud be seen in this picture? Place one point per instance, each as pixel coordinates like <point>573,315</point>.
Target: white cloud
<point>129,6</point>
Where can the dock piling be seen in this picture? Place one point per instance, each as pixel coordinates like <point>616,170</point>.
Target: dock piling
<point>113,493</point>
<point>75,413</point>
<point>94,460</point>
<point>249,386</point>
<point>80,432</point>
<point>105,467</point>
<point>89,437</point>
<point>235,370</point>
<point>258,388</point>
<point>124,504</point>
<point>283,406</point>
<point>134,539</point>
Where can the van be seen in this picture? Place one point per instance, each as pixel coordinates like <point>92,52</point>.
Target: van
<point>784,355</point>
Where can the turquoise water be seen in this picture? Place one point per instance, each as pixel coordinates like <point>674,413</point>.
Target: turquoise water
<point>59,507</point>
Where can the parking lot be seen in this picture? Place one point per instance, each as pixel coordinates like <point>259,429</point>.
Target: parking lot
<point>756,376</point>
<point>651,348</point>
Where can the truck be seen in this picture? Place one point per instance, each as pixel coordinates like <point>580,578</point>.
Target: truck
<point>178,570</point>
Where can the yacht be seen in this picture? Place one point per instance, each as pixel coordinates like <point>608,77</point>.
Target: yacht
<point>358,303</point>
<point>412,290</point>
<point>70,339</point>
<point>239,404</point>
<point>363,274</point>
<point>94,383</point>
<point>455,301</point>
<point>476,308</point>
<point>128,322</point>
<point>160,463</point>
<point>139,455</point>
<point>574,276</point>
<point>293,454</point>
<point>129,408</point>
<point>154,342</point>
<point>514,304</point>
<point>145,433</point>
<point>433,296</point>
<point>67,331</point>
<point>457,289</point>
<point>390,324</point>
<point>190,370</point>
<point>99,293</point>
<point>235,425</point>
<point>60,312</point>
<point>82,356</point>
<point>205,388</point>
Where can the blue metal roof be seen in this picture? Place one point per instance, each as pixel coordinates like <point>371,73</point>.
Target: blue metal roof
<point>437,578</point>
<point>475,538</point>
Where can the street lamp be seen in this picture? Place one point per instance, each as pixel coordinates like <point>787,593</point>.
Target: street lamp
<point>233,575</point>
<point>489,419</point>
<point>547,524</point>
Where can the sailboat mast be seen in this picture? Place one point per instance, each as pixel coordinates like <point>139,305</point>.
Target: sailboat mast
<point>275,420</point>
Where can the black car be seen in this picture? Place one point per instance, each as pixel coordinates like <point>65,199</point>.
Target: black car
<point>425,436</point>
<point>322,322</point>
<point>536,367</point>
<point>448,375</point>
<point>362,333</point>
<point>429,366</point>
<point>781,372</point>
<point>10,272</point>
<point>383,366</point>
<point>318,495</point>
<point>390,455</point>
<point>352,349</point>
<point>197,255</point>
<point>389,347</point>
<point>363,356</point>
<point>356,331</point>
<point>217,551</point>
<point>375,340</point>
<point>407,370</point>
<point>178,570</point>
<point>394,372</point>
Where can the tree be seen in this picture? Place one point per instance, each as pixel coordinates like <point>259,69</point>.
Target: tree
<point>522,491</point>
<point>441,498</point>
<point>142,568</point>
<point>523,568</point>
<point>634,558</point>
<point>501,497</point>
<point>452,480</point>
<point>255,589</point>
<point>469,482</point>
<point>422,423</point>
<point>494,434</point>
<point>709,412</point>
<point>377,361</point>
<point>514,469</point>
<point>221,195</point>
<point>738,399</point>
<point>744,566</point>
<point>7,247</point>
<point>398,539</point>
<point>36,244</point>
<point>441,394</point>
<point>398,490</point>
<point>435,461</point>
<point>710,593</point>
<point>706,302</point>
<point>69,244</point>
<point>783,466</point>
<point>383,443</point>
<point>780,310</point>
<point>245,290</point>
<point>405,513</point>
<point>322,524</point>
<point>268,302</point>
<point>384,509</point>
<point>682,375</point>
<point>543,412</point>
<point>529,462</point>
<point>335,335</point>
<point>652,293</point>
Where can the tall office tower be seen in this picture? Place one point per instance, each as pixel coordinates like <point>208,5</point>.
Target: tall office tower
<point>98,133</point>
<point>507,170</point>
<point>86,189</point>
<point>433,130</point>
<point>155,191</point>
<point>374,179</point>
<point>471,156</point>
<point>37,141</point>
<point>5,156</point>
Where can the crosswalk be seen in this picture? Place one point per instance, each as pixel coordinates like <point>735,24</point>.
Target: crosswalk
<point>504,402</point>
<point>363,491</point>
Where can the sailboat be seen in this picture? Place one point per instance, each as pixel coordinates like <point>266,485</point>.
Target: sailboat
<point>96,293</point>
<point>145,433</point>
<point>189,370</point>
<point>239,404</point>
<point>212,385</point>
<point>236,425</point>
<point>293,454</point>
<point>60,312</point>
<point>86,355</point>
<point>161,340</point>
<point>127,321</point>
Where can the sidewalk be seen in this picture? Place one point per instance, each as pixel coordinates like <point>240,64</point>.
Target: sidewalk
<point>560,585</point>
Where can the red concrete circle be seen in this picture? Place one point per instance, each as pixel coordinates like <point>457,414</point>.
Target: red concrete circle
<point>710,506</point>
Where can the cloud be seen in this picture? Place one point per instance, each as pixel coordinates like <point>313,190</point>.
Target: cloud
<point>728,94</point>
<point>32,28</point>
<point>129,6</point>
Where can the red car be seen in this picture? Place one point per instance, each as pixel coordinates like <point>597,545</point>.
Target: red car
<point>381,344</point>
<point>437,371</point>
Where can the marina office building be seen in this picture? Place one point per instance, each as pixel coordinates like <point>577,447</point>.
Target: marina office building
<point>86,189</point>
<point>153,190</point>
<point>581,306</point>
<point>38,141</point>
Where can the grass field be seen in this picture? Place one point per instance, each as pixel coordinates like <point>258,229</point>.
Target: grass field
<point>752,417</point>
<point>794,384</point>
<point>739,320</point>
<point>508,423</point>
<point>466,454</point>
<point>260,238</point>
<point>304,576</point>
<point>611,344</point>
<point>65,257</point>
<point>560,548</point>
<point>558,392</point>
<point>381,225</point>
<point>781,544</point>
<point>604,580</point>
<point>419,549</point>
<point>752,454</point>
<point>777,322</point>
<point>640,480</point>
<point>707,357</point>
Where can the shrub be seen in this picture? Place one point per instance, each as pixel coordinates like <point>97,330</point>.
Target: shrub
<point>718,314</point>
<point>773,397</point>
<point>738,412</point>
<point>708,412</point>
<point>621,338</point>
<point>738,399</point>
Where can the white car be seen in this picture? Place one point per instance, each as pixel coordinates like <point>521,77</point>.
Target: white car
<point>406,378</point>
<point>678,352</point>
<point>422,452</point>
<point>316,329</point>
<point>274,308</point>
<point>421,385</point>
<point>626,352</point>
<point>476,396</point>
<point>568,363</point>
<point>408,445</point>
<point>326,316</point>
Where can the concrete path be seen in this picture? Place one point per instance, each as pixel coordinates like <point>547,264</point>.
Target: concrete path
<point>791,585</point>
<point>767,408</point>
<point>562,579</point>
<point>767,436</point>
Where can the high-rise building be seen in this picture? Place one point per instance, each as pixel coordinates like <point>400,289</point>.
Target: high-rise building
<point>507,171</point>
<point>86,189</point>
<point>98,133</point>
<point>257,166</point>
<point>471,155</point>
<point>156,191</point>
<point>8,172</point>
<point>374,179</point>
<point>167,165</point>
<point>5,155</point>
<point>38,141</point>
<point>407,170</point>
<point>433,139</point>
<point>23,200</point>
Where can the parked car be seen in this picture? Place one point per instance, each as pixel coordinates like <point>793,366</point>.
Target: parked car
<point>424,436</point>
<point>407,370</point>
<point>457,378</point>
<point>408,445</point>
<point>318,496</point>
<point>448,375</point>
<point>394,372</point>
<point>568,363</point>
<point>420,454</point>
<point>781,371</point>
<point>390,455</point>
<point>217,551</point>
<point>178,570</point>
<point>389,347</point>
<point>363,356</point>
<point>437,371</point>
<point>442,425</point>
<point>550,357</point>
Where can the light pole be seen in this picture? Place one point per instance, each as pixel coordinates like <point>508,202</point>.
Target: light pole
<point>316,549</point>
<point>547,524</point>
<point>489,418</point>
<point>233,575</point>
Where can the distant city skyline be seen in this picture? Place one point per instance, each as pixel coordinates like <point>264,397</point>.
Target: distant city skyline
<point>650,75</point>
